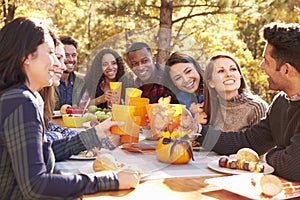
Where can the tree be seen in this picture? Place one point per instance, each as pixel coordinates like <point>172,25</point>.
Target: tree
<point>250,25</point>
<point>164,33</point>
<point>197,27</point>
<point>170,14</point>
<point>8,10</point>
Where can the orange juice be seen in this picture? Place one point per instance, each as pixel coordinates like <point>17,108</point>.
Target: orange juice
<point>132,93</point>
<point>140,109</point>
<point>131,127</point>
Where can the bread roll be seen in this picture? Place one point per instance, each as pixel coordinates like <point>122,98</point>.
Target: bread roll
<point>247,155</point>
<point>105,162</point>
<point>270,185</point>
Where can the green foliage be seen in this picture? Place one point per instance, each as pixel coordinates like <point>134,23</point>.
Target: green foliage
<point>200,28</point>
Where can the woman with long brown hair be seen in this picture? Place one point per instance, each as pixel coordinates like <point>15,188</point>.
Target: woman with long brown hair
<point>229,105</point>
<point>27,62</point>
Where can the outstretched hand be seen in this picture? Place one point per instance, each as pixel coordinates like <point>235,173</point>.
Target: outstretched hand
<point>128,179</point>
<point>103,130</point>
<point>199,115</point>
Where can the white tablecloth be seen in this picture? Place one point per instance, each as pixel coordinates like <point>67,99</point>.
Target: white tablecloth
<point>150,167</point>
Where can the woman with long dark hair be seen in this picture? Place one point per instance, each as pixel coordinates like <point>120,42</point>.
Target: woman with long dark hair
<point>27,63</point>
<point>184,77</point>
<point>107,67</point>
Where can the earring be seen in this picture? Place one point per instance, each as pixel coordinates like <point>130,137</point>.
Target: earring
<point>27,62</point>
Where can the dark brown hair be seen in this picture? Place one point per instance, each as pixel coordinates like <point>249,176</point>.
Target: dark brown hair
<point>68,40</point>
<point>285,39</point>
<point>18,39</point>
<point>95,74</point>
<point>47,93</point>
<point>179,57</point>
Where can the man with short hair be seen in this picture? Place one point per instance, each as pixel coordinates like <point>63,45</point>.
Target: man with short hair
<point>149,76</point>
<point>69,90</point>
<point>278,134</point>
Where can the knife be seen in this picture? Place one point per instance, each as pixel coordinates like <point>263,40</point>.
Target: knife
<point>86,106</point>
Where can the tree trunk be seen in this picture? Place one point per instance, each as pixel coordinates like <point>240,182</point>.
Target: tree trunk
<point>8,14</point>
<point>165,30</point>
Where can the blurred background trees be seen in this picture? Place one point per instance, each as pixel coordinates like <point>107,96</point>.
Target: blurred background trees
<point>200,28</point>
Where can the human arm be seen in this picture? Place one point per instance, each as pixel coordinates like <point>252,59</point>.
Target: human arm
<point>105,97</point>
<point>98,136</point>
<point>285,157</point>
<point>226,143</point>
<point>277,134</point>
<point>28,157</point>
<point>258,109</point>
<point>286,160</point>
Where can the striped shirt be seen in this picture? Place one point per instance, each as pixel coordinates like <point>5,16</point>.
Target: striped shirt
<point>240,112</point>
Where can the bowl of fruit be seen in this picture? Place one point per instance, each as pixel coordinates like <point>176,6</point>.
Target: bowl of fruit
<point>99,114</point>
<point>74,120</point>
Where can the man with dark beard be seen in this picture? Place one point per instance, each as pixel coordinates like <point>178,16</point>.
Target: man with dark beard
<point>70,85</point>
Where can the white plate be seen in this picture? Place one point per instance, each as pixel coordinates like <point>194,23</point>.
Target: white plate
<point>243,185</point>
<point>81,157</point>
<point>214,165</point>
<point>56,113</point>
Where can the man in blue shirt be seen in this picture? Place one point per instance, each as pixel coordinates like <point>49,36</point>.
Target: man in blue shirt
<point>70,85</point>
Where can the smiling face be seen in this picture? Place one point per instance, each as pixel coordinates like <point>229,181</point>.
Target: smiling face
<point>225,78</point>
<point>141,63</point>
<point>185,77</point>
<point>71,57</point>
<point>109,66</point>
<point>275,78</point>
<point>39,66</point>
<point>59,69</point>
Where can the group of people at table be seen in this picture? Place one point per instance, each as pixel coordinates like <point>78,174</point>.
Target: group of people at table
<point>37,76</point>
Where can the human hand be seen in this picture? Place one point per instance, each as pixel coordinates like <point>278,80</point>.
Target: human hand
<point>115,97</point>
<point>92,152</point>
<point>199,115</point>
<point>128,179</point>
<point>197,107</point>
<point>115,139</point>
<point>108,95</point>
<point>103,128</point>
<point>94,123</point>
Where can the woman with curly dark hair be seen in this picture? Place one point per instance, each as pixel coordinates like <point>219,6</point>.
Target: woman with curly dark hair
<point>107,67</point>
